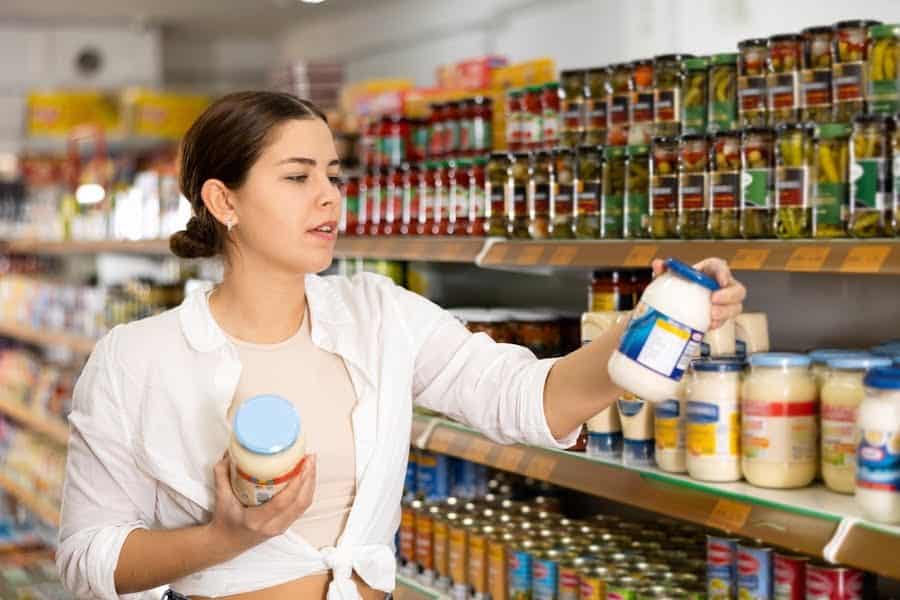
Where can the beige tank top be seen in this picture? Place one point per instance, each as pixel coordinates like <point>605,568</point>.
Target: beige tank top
<point>318,384</point>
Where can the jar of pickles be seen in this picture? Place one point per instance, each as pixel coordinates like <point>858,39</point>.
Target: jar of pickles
<point>637,193</point>
<point>815,86</point>
<point>722,95</point>
<point>562,180</point>
<point>694,89</point>
<point>620,90</point>
<point>884,73</point>
<point>664,188</point>
<point>477,197</point>
<point>495,183</point>
<point>793,158</point>
<point>869,154</point>
<point>757,182</point>
<point>596,104</point>
<point>613,193</point>
<point>832,185</point>
<point>641,119</point>
<point>895,211</point>
<point>667,81</point>
<point>692,203</point>
<point>572,107</point>
<point>539,175</point>
<point>725,186</point>
<point>588,192</point>
<point>784,73</point>
<point>849,68</point>
<point>517,215</point>
<point>754,54</point>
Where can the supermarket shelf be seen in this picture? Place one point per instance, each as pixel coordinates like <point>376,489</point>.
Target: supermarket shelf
<point>59,146</point>
<point>147,247</point>
<point>410,589</point>
<point>436,249</point>
<point>53,428</point>
<point>30,499</point>
<point>75,343</point>
<point>811,521</point>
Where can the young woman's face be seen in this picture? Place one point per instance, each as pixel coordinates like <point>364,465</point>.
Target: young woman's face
<point>288,208</point>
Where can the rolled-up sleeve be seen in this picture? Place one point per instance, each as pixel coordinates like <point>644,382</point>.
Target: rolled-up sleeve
<point>105,495</point>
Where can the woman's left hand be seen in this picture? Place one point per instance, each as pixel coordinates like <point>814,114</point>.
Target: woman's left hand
<point>727,303</point>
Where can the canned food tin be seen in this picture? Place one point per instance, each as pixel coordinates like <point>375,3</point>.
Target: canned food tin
<point>721,557</point>
<point>570,578</point>
<point>478,558</point>
<point>593,582</point>
<point>498,561</point>
<point>754,568</point>
<point>622,588</point>
<point>519,571</point>
<point>425,542</point>
<point>834,583</point>
<point>545,574</point>
<point>408,533</point>
<point>790,577</point>
<point>442,549</point>
<point>459,555</point>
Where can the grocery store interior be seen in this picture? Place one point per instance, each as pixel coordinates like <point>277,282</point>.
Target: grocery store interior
<point>520,163</point>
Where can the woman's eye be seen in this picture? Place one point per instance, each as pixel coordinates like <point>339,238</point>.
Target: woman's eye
<point>336,181</point>
<point>298,178</point>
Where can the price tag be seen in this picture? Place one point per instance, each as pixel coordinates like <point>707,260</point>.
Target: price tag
<point>808,258</point>
<point>749,259</point>
<point>509,458</point>
<point>530,255</point>
<point>541,466</point>
<point>478,450</point>
<point>729,515</point>
<point>640,256</point>
<point>865,259</point>
<point>440,441</point>
<point>564,256</point>
<point>498,253</point>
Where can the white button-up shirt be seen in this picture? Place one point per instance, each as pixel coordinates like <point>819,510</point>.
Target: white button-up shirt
<point>149,423</point>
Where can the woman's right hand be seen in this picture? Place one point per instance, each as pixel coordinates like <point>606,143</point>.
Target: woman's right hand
<point>244,527</point>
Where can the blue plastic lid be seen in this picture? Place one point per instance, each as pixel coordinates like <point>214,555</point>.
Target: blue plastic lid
<point>718,365</point>
<point>884,378</point>
<point>779,359</point>
<point>266,424</point>
<point>688,272</point>
<point>823,355</point>
<point>858,363</point>
<point>887,349</point>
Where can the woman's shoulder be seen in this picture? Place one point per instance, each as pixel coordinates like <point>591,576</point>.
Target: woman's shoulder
<point>134,345</point>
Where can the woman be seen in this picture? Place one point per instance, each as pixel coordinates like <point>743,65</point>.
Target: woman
<point>147,500</point>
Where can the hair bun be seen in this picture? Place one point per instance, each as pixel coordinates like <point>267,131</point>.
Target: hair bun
<point>198,240</point>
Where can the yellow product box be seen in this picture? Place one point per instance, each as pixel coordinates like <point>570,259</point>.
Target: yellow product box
<point>532,72</point>
<point>55,113</point>
<point>157,114</point>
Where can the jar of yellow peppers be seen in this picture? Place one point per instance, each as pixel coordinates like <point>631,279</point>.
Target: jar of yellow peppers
<point>793,158</point>
<point>869,154</point>
<point>832,186</point>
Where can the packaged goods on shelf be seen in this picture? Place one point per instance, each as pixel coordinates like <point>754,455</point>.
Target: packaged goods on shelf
<point>878,466</point>
<point>32,462</point>
<point>44,388</point>
<point>56,113</point>
<point>155,113</point>
<point>470,74</point>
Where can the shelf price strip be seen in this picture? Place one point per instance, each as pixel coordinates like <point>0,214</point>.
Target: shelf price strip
<point>865,259</point>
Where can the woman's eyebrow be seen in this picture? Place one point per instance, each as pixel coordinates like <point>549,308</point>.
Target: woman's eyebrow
<point>307,161</point>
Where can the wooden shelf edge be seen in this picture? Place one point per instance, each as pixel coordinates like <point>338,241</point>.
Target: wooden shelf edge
<point>158,247</point>
<point>408,588</point>
<point>75,343</point>
<point>30,500</point>
<point>434,249</point>
<point>54,429</point>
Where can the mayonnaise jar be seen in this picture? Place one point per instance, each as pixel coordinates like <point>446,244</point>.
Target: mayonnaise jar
<point>751,333</point>
<point>604,428</point>
<point>878,457</point>
<point>637,429</point>
<point>267,448</point>
<point>669,431</point>
<point>721,341</point>
<point>664,333</point>
<point>779,402</point>
<point>819,359</point>
<point>714,420</point>
<point>842,392</point>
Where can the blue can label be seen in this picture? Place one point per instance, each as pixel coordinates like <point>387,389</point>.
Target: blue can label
<point>433,476</point>
<point>519,573</point>
<point>545,574</point>
<point>878,460</point>
<point>410,483</point>
<point>660,343</point>
<point>721,568</point>
<point>605,444</point>
<point>640,452</point>
<point>754,568</point>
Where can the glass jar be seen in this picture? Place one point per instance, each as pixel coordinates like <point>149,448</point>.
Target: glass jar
<point>588,192</point>
<point>664,188</point>
<point>540,173</point>
<point>478,197</point>
<point>392,211</point>
<point>832,185</point>
<point>641,118</point>
<point>517,215</point>
<point>441,198</point>
<point>480,118</point>
<point>410,212</point>
<point>669,425</point>
<point>458,197</point>
<point>427,187</point>
<point>849,68</point>
<point>396,142</point>
<point>779,429</point>
<point>515,120</point>
<point>377,195</point>
<point>550,115</point>
<point>418,146</point>
<point>694,93</point>
<point>533,126</point>
<point>621,87</point>
<point>757,182</point>
<point>850,40</point>
<point>596,114</point>
<point>752,108</point>
<point>452,129</point>
<point>869,154</point>
<point>785,57</point>
<point>636,211</point>
<point>572,107</point>
<point>562,184</point>
<point>895,209</point>
<point>722,94</point>
<point>793,157</point>
<point>496,177</point>
<point>725,186</point>
<point>610,292</point>
<point>692,203</point>
<point>878,456</point>
<point>612,200</point>
<point>667,81</point>
<point>883,50</point>
<point>815,86</point>
<point>714,420</point>
<point>350,212</point>
<point>381,144</point>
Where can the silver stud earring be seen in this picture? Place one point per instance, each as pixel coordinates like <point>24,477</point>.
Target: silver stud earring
<point>229,224</point>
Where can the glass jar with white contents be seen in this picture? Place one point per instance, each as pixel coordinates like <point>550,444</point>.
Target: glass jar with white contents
<point>669,431</point>
<point>842,392</point>
<point>878,456</point>
<point>637,429</point>
<point>779,431</point>
<point>819,360</point>
<point>714,419</point>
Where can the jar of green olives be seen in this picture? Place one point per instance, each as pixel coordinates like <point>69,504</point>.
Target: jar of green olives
<point>495,183</point>
<point>832,184</point>
<point>613,192</point>
<point>757,182</point>
<point>637,193</point>
<point>667,80</point>
<point>725,186</point>
<point>752,108</point>
<point>664,188</point>
<point>694,89</point>
<point>596,101</point>
<point>895,205</point>
<point>640,121</point>
<point>588,192</point>
<point>539,176</point>
<point>849,68</point>
<point>784,78</point>
<point>869,154</point>
<point>884,72</point>
<point>572,107</point>
<point>692,198</point>
<point>722,95</point>
<point>815,86</point>
<point>562,180</point>
<point>621,88</point>
<point>793,159</point>
<point>517,216</point>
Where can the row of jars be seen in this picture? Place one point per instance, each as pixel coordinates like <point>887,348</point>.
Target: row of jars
<point>822,74</point>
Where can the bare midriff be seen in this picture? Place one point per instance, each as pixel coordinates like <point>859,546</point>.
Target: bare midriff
<point>312,587</point>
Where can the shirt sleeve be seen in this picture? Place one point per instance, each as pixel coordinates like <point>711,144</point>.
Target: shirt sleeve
<point>497,389</point>
<point>105,495</point>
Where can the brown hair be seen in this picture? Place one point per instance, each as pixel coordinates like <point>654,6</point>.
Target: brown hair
<point>224,143</point>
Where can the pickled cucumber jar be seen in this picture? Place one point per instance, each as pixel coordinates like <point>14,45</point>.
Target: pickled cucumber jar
<point>869,154</point>
<point>667,81</point>
<point>571,107</point>
<point>722,94</point>
<point>815,79</point>
<point>517,216</point>
<point>832,180</point>
<point>785,52</point>
<point>562,181</point>
<point>640,127</point>
<point>588,192</point>
<point>848,73</point>
<point>884,72</point>
<point>694,90</point>
<point>612,197</point>
<point>725,186</point>
<point>539,175</point>
<point>752,107</point>
<point>895,205</point>
<point>495,180</point>
<point>664,188</point>
<point>621,87</point>
<point>637,193</point>
<point>757,182</point>
<point>693,211</point>
<point>793,158</point>
<point>596,104</point>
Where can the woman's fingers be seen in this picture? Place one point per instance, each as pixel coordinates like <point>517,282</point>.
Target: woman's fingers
<point>734,293</point>
<point>659,266</point>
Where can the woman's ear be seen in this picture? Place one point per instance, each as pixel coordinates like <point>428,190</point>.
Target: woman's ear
<point>219,201</point>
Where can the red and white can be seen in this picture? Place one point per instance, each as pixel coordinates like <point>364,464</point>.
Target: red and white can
<point>790,577</point>
<point>825,582</point>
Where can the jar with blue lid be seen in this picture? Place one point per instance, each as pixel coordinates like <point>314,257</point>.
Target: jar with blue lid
<point>878,454</point>
<point>819,360</point>
<point>267,448</point>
